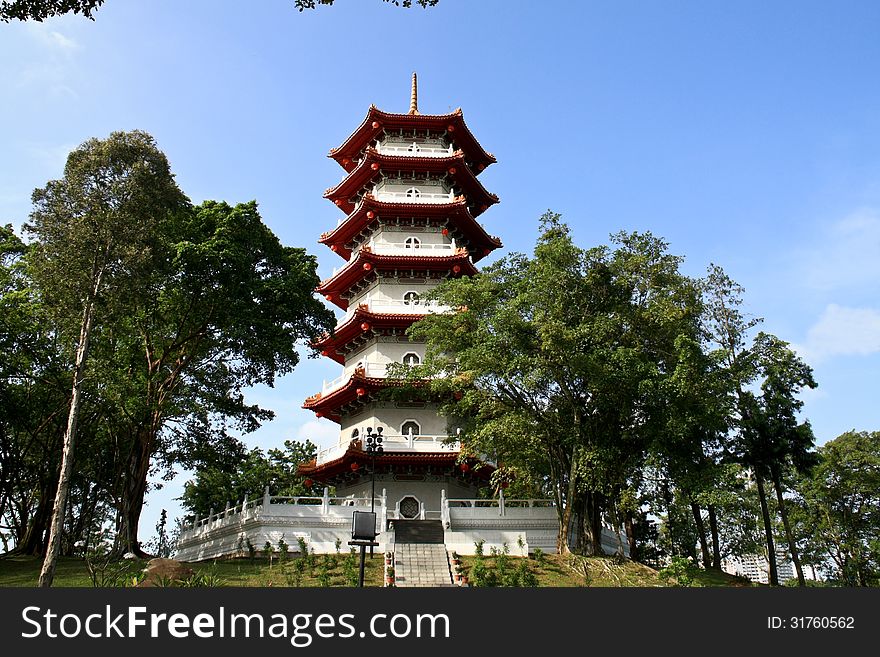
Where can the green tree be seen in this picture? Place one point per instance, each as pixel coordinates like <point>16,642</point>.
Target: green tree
<point>95,236</point>
<point>227,310</point>
<point>40,10</point>
<point>773,441</point>
<point>837,511</point>
<point>557,361</point>
<point>247,476</point>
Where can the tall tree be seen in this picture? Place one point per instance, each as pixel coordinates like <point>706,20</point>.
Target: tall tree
<point>95,234</point>
<point>227,310</point>
<point>773,440</point>
<point>837,512</point>
<point>558,358</point>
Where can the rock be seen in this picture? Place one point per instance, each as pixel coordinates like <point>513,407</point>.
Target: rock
<point>165,572</point>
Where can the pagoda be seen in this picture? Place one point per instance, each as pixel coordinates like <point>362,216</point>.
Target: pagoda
<point>410,200</point>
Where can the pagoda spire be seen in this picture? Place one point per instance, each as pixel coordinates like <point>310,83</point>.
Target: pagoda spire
<point>414,96</point>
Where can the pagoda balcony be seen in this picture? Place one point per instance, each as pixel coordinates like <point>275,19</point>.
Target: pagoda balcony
<point>396,308</point>
<point>416,150</point>
<point>408,197</point>
<point>402,248</point>
<point>367,371</point>
<point>409,443</point>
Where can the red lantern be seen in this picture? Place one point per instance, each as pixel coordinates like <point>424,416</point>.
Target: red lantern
<point>361,392</point>
<point>308,483</point>
<point>319,414</point>
<point>374,166</point>
<point>452,171</point>
<point>370,214</point>
<point>329,297</point>
<point>450,128</point>
<point>376,124</point>
<point>481,166</point>
<point>334,247</point>
<point>487,252</point>
<point>355,467</point>
<point>326,352</point>
<point>365,326</point>
<point>483,208</point>
<point>339,201</point>
<point>367,266</point>
<point>346,162</point>
<point>464,467</point>
<point>456,269</point>
<point>445,232</point>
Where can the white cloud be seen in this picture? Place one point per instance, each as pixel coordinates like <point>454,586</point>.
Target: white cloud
<point>51,39</point>
<point>842,331</point>
<point>322,433</point>
<point>847,255</point>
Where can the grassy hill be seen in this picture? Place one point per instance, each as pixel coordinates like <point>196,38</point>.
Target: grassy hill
<point>549,571</point>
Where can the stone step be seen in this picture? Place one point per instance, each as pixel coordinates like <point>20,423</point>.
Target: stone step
<point>421,564</point>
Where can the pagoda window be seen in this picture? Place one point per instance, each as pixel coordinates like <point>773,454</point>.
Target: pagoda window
<point>411,298</point>
<point>411,358</point>
<point>410,428</point>
<point>413,192</point>
<point>412,243</point>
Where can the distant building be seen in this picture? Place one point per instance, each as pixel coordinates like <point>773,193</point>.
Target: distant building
<point>756,567</point>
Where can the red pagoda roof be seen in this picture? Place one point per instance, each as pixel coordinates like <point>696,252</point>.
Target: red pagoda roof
<point>391,461</point>
<point>456,212</point>
<point>331,343</point>
<point>357,387</point>
<point>366,261</point>
<point>374,163</point>
<point>377,121</point>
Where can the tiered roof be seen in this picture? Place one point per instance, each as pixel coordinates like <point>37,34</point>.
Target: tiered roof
<point>366,216</point>
<point>377,122</point>
<point>375,164</point>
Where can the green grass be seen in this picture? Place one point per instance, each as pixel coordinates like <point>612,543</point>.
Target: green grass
<point>552,571</point>
<point>25,571</point>
<point>573,571</point>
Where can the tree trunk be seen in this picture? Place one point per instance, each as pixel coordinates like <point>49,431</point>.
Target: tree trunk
<point>716,545</point>
<point>592,525</point>
<point>134,489</point>
<point>701,533</point>
<point>631,535</point>
<point>768,530</point>
<point>47,573</point>
<point>792,547</point>
<point>32,542</point>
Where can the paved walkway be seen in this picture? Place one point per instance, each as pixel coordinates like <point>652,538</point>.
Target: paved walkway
<point>421,564</point>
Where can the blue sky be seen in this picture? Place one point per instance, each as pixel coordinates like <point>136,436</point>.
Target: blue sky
<point>746,134</point>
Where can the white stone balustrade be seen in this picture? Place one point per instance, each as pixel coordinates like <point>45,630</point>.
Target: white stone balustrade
<point>415,150</point>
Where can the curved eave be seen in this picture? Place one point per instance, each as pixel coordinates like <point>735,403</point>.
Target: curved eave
<point>365,133</point>
<point>354,271</point>
<point>331,344</point>
<point>455,213</point>
<point>329,405</point>
<point>453,165</point>
<point>342,466</point>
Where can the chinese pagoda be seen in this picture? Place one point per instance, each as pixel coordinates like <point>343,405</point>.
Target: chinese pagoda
<point>410,199</point>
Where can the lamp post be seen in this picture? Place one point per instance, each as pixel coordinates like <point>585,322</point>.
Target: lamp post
<point>373,448</point>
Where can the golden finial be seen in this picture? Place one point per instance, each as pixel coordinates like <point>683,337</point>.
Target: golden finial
<point>414,98</point>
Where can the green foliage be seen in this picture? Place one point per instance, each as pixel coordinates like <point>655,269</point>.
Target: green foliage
<point>283,549</point>
<point>837,510</point>
<point>247,475</point>
<point>679,572</point>
<point>40,10</point>
<point>302,5</point>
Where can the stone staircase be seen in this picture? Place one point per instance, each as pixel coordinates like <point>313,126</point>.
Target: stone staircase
<point>420,557</point>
